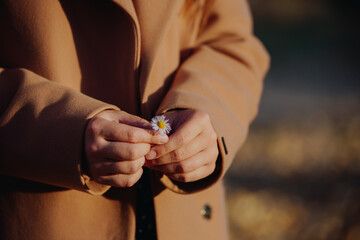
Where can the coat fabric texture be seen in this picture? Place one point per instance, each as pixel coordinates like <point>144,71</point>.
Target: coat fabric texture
<point>62,62</point>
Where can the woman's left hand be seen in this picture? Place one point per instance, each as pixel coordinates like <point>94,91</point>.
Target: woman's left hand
<point>191,152</point>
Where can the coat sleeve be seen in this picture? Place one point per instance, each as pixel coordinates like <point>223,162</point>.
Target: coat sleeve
<point>42,122</point>
<point>42,125</point>
<point>223,77</point>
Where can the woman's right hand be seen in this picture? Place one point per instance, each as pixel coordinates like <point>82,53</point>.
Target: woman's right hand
<point>116,143</point>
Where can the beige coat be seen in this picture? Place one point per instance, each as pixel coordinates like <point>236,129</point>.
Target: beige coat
<point>62,62</point>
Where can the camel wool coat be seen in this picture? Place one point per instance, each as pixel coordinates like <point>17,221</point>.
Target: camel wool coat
<point>62,62</point>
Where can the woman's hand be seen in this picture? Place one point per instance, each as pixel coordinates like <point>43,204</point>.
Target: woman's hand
<point>191,152</point>
<point>115,145</point>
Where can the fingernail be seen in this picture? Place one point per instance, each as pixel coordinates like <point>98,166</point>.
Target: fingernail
<point>151,155</point>
<point>163,138</point>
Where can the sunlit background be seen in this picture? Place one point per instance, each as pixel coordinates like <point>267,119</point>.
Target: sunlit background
<point>298,174</point>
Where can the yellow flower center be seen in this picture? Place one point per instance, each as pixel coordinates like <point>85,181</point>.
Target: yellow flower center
<point>161,124</point>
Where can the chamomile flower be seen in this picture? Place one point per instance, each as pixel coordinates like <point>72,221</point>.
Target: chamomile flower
<point>161,124</point>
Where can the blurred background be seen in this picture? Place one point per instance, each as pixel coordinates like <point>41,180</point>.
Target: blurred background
<point>298,174</point>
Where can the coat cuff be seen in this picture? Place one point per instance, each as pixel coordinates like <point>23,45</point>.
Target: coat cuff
<point>89,185</point>
<point>52,119</point>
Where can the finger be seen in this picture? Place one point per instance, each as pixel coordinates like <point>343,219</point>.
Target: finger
<point>185,166</point>
<point>134,121</point>
<point>123,117</point>
<point>122,167</point>
<point>183,135</point>
<point>124,151</point>
<point>197,161</point>
<point>120,180</point>
<point>190,149</point>
<point>198,174</point>
<point>125,133</point>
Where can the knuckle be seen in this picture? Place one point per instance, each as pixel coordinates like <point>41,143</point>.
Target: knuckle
<point>134,167</point>
<point>92,147</point>
<point>180,168</point>
<point>145,149</point>
<point>132,179</point>
<point>203,116</point>
<point>132,152</point>
<point>185,167</point>
<point>94,125</point>
<point>117,181</point>
<point>132,136</point>
<point>181,139</point>
<point>95,167</point>
<point>177,154</point>
<point>128,182</point>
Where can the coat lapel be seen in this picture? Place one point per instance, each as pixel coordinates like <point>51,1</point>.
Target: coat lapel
<point>152,19</point>
<point>155,17</point>
<point>128,7</point>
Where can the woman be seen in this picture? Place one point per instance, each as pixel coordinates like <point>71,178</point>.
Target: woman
<point>78,79</point>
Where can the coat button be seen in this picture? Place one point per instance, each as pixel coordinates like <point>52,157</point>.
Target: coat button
<point>206,211</point>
